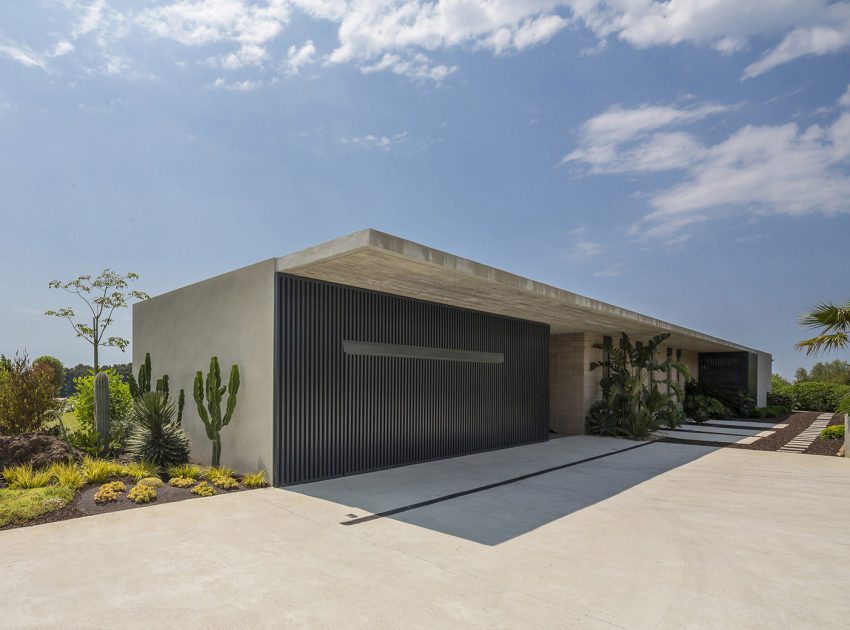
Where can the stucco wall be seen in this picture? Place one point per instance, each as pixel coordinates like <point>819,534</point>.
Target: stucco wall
<point>232,317</point>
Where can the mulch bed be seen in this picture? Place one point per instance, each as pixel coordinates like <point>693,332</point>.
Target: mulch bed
<point>797,422</point>
<point>822,446</point>
<point>83,503</point>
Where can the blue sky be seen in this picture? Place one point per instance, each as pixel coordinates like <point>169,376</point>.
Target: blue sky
<point>687,160</point>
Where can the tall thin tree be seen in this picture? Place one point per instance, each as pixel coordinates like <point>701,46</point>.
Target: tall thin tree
<point>102,296</point>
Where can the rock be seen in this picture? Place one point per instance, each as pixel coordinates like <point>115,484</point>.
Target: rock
<point>38,449</point>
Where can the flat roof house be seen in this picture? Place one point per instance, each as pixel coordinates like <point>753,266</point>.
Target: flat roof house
<point>372,351</point>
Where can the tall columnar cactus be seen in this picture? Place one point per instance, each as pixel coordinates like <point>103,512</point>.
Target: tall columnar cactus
<point>181,402</point>
<point>144,380</point>
<point>101,408</point>
<point>162,385</point>
<point>214,390</point>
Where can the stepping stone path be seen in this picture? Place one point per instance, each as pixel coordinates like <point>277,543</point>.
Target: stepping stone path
<point>804,439</point>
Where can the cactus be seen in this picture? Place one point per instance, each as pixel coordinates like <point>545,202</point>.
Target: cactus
<point>101,408</point>
<point>162,385</point>
<point>181,402</point>
<point>211,415</point>
<point>144,380</point>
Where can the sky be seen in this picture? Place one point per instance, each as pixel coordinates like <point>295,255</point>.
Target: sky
<point>685,159</point>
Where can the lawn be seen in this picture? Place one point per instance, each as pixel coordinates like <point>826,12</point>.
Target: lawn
<point>19,506</point>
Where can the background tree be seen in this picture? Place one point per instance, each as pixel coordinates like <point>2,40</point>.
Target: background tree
<point>57,367</point>
<point>102,296</point>
<point>834,324</point>
<point>837,371</point>
<point>26,393</point>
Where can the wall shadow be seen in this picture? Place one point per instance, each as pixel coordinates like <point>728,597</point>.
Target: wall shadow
<point>495,515</point>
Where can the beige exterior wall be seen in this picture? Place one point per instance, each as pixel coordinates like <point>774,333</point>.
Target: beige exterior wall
<point>573,387</point>
<point>232,317</point>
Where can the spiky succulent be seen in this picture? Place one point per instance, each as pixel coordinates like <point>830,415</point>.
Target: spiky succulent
<point>155,438</point>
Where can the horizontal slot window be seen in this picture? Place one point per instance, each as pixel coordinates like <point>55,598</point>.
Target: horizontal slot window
<point>371,349</point>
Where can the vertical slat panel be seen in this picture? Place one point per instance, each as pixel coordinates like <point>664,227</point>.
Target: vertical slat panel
<point>344,414</point>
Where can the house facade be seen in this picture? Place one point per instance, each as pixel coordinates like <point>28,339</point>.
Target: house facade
<point>372,351</point>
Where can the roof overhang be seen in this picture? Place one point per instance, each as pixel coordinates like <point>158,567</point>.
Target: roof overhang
<point>381,262</point>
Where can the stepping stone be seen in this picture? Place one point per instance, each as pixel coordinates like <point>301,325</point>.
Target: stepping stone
<point>805,438</point>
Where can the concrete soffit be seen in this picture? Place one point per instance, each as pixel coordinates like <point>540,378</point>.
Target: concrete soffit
<point>375,260</point>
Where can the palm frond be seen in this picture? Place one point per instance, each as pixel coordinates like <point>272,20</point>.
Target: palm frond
<point>835,341</point>
<point>830,317</point>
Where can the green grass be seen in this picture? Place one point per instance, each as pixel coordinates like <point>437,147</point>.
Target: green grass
<point>19,506</point>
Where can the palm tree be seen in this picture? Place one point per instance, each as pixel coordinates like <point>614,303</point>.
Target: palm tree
<point>834,322</point>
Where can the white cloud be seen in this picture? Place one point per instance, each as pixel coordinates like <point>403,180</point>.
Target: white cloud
<point>844,101</point>
<point>772,169</point>
<point>204,22</point>
<point>61,48</point>
<point>614,270</point>
<point>23,55</point>
<point>407,36</point>
<point>418,67</point>
<point>297,58</point>
<point>236,86</point>
<point>370,141</point>
<point>621,140</point>
<point>586,249</point>
<point>809,27</point>
<point>828,34</point>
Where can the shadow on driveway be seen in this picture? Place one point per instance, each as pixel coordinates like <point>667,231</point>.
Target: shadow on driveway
<point>492,515</point>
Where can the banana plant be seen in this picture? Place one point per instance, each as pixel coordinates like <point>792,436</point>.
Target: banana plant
<point>630,390</point>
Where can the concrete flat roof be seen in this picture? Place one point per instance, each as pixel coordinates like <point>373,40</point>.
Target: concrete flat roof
<point>378,261</point>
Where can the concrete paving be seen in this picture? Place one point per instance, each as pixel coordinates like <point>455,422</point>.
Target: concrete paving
<point>662,536</point>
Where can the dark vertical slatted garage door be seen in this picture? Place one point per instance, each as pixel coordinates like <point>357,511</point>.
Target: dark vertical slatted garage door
<point>342,413</point>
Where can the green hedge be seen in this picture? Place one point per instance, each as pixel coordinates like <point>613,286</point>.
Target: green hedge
<point>817,396</point>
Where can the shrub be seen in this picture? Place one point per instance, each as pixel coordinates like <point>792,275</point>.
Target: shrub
<point>783,400</point>
<point>701,408</point>
<point>106,494</point>
<point>100,470</point>
<point>26,395</point>
<point>140,470</point>
<point>257,479</point>
<point>67,475</point>
<point>192,471</point>
<point>142,493</point>
<point>58,371</point>
<point>120,406</point>
<point>181,482</point>
<point>600,420</point>
<point>843,405</point>
<point>203,489</point>
<point>834,432</point>
<point>225,483</point>
<point>218,471</point>
<point>155,436</point>
<point>117,486</point>
<point>817,396</point>
<point>153,482</point>
<point>23,477</point>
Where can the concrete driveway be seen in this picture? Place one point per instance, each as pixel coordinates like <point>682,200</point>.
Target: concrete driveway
<point>660,536</point>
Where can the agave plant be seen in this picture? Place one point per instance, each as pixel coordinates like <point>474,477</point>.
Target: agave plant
<point>155,437</point>
<point>633,404</point>
<point>834,323</point>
